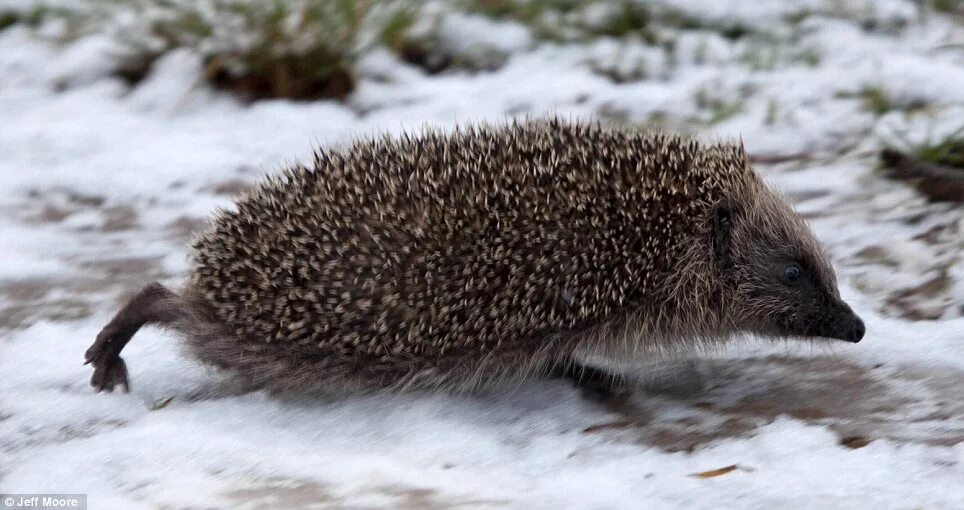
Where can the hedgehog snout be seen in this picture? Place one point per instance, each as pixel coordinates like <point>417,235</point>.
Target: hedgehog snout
<point>844,324</point>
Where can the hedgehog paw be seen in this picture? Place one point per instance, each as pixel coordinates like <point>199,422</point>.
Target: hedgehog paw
<point>110,374</point>
<point>110,371</point>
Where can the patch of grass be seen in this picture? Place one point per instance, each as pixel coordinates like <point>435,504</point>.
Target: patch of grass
<point>566,20</point>
<point>427,44</point>
<point>620,73</point>
<point>719,109</point>
<point>946,151</point>
<point>397,25</point>
<point>760,57</point>
<point>628,18</point>
<point>876,100</point>
<point>866,14</point>
<point>32,17</point>
<point>872,99</point>
<point>933,165</point>
<point>724,111</point>
<point>272,66</point>
<point>766,53</point>
<point>732,30</point>
<point>524,11</point>
<point>8,19</point>
<point>543,17</point>
<point>299,49</point>
<point>948,6</point>
<point>772,112</point>
<point>809,56</point>
<point>879,102</point>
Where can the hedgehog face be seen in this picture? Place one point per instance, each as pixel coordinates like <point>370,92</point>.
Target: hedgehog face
<point>779,279</point>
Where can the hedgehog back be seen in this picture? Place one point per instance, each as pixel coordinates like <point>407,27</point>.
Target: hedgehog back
<point>458,246</point>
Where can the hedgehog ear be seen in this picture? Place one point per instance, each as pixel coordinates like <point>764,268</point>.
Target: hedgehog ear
<point>722,220</point>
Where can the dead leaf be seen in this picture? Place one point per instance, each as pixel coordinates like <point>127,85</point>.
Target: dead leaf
<point>854,442</point>
<point>716,472</point>
<point>161,404</point>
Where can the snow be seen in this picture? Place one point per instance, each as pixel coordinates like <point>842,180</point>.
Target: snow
<point>465,33</point>
<point>103,184</point>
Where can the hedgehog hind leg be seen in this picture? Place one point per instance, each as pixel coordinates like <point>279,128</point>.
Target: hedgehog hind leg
<point>154,304</point>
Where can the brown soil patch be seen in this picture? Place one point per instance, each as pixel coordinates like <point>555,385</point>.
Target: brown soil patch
<point>186,227</point>
<point>739,396</point>
<point>118,218</point>
<point>24,302</point>
<point>286,494</point>
<point>231,187</point>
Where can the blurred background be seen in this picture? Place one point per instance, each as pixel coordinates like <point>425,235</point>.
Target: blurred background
<point>124,123</point>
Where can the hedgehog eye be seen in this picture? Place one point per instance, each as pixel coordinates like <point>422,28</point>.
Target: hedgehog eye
<point>792,273</point>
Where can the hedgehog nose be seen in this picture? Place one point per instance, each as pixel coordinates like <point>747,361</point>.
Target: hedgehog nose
<point>844,324</point>
<point>857,332</point>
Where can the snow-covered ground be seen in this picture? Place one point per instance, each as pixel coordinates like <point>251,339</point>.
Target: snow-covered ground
<point>102,184</point>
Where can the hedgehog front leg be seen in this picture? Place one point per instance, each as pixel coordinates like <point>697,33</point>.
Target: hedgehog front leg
<point>151,305</point>
<point>595,382</point>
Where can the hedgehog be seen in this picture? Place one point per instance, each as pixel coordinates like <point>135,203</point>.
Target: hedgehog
<point>492,253</point>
